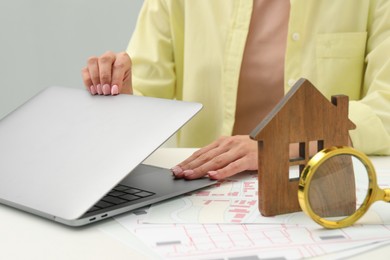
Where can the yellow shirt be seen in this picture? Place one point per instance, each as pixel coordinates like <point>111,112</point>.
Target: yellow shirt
<point>192,50</point>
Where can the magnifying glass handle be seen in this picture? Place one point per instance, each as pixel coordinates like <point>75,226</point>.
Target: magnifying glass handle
<point>387,195</point>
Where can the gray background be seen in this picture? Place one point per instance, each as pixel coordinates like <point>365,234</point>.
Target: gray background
<point>47,42</point>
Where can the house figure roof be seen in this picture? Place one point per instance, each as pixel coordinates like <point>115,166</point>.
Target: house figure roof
<point>303,103</point>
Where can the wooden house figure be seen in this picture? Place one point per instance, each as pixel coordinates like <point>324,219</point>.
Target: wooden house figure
<point>304,120</point>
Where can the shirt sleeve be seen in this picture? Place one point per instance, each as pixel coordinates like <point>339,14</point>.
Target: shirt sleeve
<point>151,52</point>
<point>371,114</point>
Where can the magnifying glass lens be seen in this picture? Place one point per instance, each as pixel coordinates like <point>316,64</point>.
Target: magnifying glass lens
<point>338,187</point>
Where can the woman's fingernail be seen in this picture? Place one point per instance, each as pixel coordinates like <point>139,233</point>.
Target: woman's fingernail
<point>176,170</point>
<point>93,90</point>
<point>212,173</point>
<point>188,172</point>
<point>114,90</point>
<point>106,89</point>
<point>99,89</point>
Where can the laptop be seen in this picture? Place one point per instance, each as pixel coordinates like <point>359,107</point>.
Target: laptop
<point>76,158</point>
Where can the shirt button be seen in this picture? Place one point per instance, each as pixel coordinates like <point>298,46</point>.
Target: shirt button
<point>295,36</point>
<point>291,82</point>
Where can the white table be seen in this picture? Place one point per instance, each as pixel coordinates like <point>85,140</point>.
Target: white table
<point>25,236</point>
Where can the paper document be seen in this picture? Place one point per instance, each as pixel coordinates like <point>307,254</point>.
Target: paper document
<point>251,241</point>
<point>223,222</point>
<point>235,200</point>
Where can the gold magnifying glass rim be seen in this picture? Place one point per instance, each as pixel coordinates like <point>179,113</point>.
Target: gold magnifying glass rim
<point>307,174</point>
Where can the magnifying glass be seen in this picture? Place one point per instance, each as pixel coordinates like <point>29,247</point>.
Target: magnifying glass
<point>337,187</point>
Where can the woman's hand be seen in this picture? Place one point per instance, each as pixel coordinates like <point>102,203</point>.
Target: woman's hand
<point>222,158</point>
<point>109,74</point>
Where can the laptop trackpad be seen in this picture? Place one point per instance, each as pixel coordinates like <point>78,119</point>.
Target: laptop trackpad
<point>161,181</point>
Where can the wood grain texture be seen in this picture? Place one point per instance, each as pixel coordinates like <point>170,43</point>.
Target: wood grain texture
<point>304,115</point>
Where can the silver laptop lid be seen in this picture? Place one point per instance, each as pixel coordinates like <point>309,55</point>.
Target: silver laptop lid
<point>64,149</point>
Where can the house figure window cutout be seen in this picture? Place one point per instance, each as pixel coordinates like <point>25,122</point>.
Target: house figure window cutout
<point>303,118</point>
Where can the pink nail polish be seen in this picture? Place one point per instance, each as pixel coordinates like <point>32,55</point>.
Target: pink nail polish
<point>188,172</point>
<point>176,170</point>
<point>99,89</point>
<point>106,89</point>
<point>92,90</point>
<point>212,173</point>
<point>114,90</point>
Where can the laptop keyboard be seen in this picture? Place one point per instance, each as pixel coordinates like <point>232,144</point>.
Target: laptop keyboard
<point>119,195</point>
